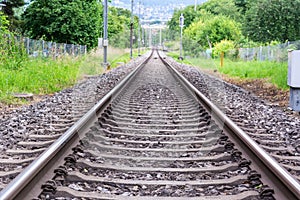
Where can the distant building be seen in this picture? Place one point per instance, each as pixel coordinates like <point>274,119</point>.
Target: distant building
<point>155,11</point>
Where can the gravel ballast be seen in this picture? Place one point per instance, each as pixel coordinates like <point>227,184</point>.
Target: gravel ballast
<point>16,125</point>
<point>253,114</point>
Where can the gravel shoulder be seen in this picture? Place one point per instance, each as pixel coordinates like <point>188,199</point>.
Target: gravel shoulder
<point>248,92</point>
<point>248,110</point>
<point>260,88</point>
<point>17,122</point>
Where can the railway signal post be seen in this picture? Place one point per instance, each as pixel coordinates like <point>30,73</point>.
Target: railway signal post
<point>105,35</point>
<point>131,30</point>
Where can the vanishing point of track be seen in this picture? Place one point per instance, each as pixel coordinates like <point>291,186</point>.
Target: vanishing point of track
<point>154,136</point>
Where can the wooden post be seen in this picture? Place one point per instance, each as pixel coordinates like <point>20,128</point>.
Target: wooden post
<point>222,59</point>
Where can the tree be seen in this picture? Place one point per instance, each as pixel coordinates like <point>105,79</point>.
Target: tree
<point>222,7</point>
<point>205,11</point>
<point>214,30</point>
<point>189,16</point>
<point>223,47</point>
<point>269,20</point>
<point>242,5</point>
<point>9,10</point>
<point>119,27</point>
<point>64,21</point>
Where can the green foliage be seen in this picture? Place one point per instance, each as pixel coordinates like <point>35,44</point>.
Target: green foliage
<point>46,76</point>
<point>76,22</point>
<point>246,43</point>
<point>170,35</point>
<point>123,57</point>
<point>207,9</point>
<point>222,7</point>
<point>12,50</point>
<point>9,10</point>
<point>212,22</point>
<point>191,47</point>
<point>224,46</point>
<point>242,5</point>
<point>172,45</point>
<point>272,72</point>
<point>214,30</point>
<point>121,39</point>
<point>119,27</point>
<point>64,21</point>
<point>4,23</point>
<point>189,16</point>
<point>118,20</point>
<point>39,76</point>
<point>273,20</point>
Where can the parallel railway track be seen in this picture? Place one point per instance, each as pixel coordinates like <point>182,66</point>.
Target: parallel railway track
<point>153,137</point>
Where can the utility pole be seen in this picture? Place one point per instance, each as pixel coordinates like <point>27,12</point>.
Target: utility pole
<point>131,30</point>
<point>143,37</point>
<point>139,29</point>
<point>150,37</point>
<point>181,24</point>
<point>105,35</point>
<point>195,8</point>
<point>160,36</point>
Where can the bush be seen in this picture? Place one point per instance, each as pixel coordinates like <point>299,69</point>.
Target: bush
<point>191,47</point>
<point>4,23</point>
<point>12,51</point>
<point>214,31</point>
<point>224,46</point>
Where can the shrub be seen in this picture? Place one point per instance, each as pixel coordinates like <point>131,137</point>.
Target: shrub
<point>224,46</point>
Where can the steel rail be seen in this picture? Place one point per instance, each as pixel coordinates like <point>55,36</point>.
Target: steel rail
<point>290,182</point>
<point>20,182</point>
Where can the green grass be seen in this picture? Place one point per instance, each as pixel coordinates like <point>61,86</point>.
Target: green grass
<point>46,76</point>
<point>38,76</point>
<point>124,58</point>
<point>92,63</point>
<point>120,59</point>
<point>272,72</point>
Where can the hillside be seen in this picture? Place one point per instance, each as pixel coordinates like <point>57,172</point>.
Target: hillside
<point>158,2</point>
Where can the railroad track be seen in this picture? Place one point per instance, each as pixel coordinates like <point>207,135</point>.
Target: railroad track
<point>153,137</point>
<point>275,132</point>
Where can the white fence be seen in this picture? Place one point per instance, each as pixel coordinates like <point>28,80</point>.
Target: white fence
<point>277,53</point>
<point>52,49</point>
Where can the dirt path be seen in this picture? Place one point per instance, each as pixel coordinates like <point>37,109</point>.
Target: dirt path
<point>263,90</point>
